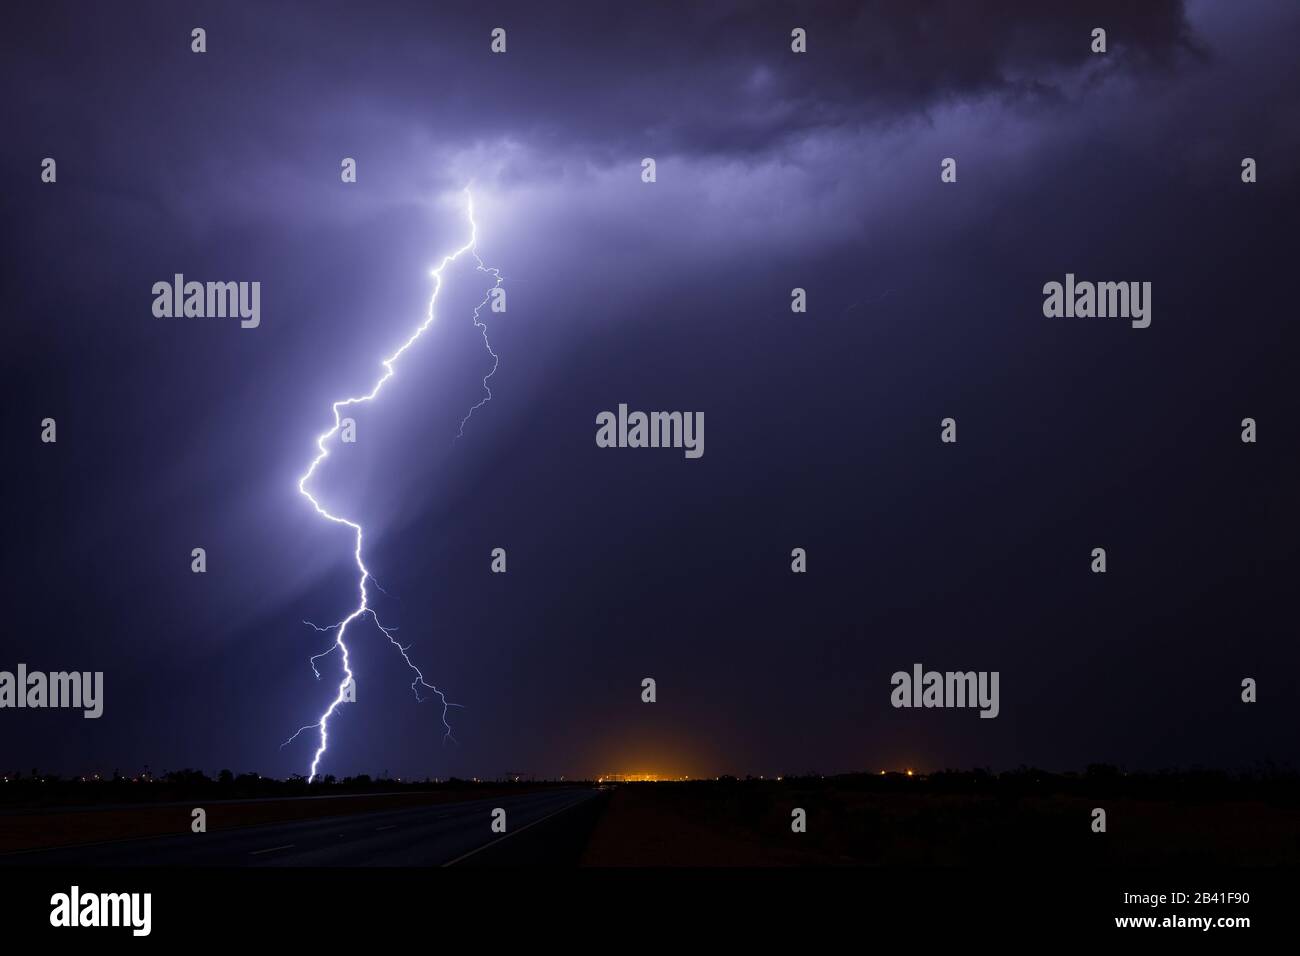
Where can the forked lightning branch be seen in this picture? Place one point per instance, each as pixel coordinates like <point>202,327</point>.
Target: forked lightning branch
<point>363,608</point>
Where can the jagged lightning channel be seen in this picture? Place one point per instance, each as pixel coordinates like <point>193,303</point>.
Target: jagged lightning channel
<point>496,359</point>
<point>363,608</point>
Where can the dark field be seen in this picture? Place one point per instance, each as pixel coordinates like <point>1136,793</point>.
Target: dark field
<point>38,815</point>
<point>1026,817</point>
<point>962,819</point>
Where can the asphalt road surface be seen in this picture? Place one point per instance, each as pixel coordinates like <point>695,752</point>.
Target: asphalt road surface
<point>549,826</point>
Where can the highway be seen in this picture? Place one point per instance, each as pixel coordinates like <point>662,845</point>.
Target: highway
<point>548,824</point>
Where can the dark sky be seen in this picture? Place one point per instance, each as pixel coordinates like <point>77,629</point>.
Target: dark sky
<point>775,170</point>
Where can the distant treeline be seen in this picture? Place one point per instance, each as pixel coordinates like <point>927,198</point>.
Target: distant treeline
<point>1266,781</point>
<point>35,789</point>
<point>1097,779</point>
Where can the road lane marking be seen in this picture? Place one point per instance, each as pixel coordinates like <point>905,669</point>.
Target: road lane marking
<point>393,827</point>
<point>287,846</point>
<point>570,806</point>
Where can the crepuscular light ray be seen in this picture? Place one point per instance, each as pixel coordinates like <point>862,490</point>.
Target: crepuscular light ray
<point>363,607</point>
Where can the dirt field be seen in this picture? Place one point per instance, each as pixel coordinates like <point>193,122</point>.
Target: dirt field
<point>706,824</point>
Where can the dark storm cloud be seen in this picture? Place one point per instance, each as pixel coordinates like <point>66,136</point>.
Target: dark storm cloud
<point>721,79</point>
<point>730,85</point>
<point>249,135</point>
<point>687,77</point>
<point>245,133</point>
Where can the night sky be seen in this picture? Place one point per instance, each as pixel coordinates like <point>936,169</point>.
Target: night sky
<point>774,170</point>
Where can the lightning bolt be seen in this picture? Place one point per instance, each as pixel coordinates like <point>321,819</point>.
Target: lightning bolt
<point>482,327</point>
<point>363,608</point>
